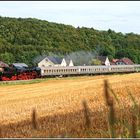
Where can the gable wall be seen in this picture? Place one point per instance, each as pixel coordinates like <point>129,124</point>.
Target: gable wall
<point>44,63</point>
<point>71,63</point>
<point>107,62</point>
<point>63,63</point>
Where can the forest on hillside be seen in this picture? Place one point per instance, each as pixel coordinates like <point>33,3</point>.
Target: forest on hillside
<point>23,40</point>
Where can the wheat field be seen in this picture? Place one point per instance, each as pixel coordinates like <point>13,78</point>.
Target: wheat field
<point>58,105</point>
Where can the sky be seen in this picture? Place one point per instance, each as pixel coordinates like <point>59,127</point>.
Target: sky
<point>120,16</point>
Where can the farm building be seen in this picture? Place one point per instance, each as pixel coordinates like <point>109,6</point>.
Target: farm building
<point>122,61</point>
<point>54,61</point>
<point>2,64</point>
<point>104,60</point>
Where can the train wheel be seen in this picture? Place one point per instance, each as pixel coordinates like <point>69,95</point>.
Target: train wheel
<point>20,77</point>
<point>5,78</point>
<point>34,75</point>
<point>13,78</point>
<point>28,76</point>
<point>24,76</point>
<point>31,75</point>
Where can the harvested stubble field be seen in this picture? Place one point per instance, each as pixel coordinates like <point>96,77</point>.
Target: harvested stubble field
<point>59,109</point>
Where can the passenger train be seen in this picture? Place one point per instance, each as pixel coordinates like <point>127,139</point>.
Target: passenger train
<point>23,73</point>
<point>91,70</point>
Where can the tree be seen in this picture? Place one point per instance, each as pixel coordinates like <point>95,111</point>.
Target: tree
<point>95,62</point>
<point>7,57</point>
<point>23,39</point>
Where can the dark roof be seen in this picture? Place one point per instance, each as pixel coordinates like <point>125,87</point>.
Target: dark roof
<point>102,59</point>
<point>2,64</point>
<point>127,61</point>
<point>20,65</point>
<point>55,60</point>
<point>40,58</point>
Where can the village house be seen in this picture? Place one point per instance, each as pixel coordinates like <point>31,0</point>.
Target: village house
<point>122,61</point>
<point>2,65</point>
<point>54,61</point>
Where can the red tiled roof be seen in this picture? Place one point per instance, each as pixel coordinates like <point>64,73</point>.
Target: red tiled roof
<point>112,63</point>
<point>127,61</point>
<point>114,60</point>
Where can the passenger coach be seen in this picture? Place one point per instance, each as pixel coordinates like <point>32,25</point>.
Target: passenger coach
<point>80,70</point>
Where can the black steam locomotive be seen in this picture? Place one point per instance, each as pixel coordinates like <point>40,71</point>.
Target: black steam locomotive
<point>19,72</point>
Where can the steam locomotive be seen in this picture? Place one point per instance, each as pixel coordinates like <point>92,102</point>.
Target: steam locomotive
<point>20,72</point>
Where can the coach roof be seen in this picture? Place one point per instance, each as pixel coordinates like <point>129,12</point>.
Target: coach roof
<point>20,65</point>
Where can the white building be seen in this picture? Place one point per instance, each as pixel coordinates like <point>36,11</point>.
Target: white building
<point>54,61</point>
<point>107,62</point>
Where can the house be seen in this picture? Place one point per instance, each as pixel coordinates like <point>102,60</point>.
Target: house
<point>54,61</point>
<point>104,60</point>
<point>113,62</point>
<point>2,64</point>
<point>123,61</point>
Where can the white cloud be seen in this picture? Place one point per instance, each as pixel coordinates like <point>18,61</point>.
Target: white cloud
<point>117,15</point>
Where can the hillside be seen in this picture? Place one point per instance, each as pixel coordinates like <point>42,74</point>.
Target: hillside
<point>22,40</point>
